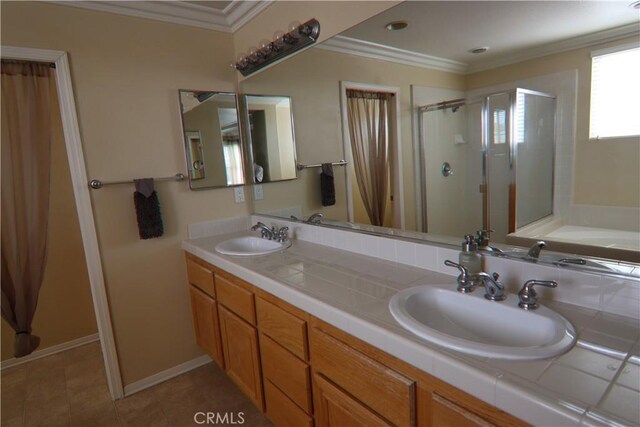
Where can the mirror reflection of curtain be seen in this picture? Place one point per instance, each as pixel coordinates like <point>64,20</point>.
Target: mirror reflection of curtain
<point>368,116</point>
<point>26,163</point>
<point>233,161</point>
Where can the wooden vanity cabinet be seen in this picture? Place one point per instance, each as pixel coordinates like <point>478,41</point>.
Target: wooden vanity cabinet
<point>205,310</point>
<point>236,300</point>
<point>304,372</point>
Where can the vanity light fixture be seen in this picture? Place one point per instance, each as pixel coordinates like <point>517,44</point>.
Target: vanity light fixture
<point>284,44</point>
<point>481,49</point>
<point>396,25</point>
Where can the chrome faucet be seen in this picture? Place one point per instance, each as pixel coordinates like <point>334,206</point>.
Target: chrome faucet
<point>527,295</point>
<point>482,239</point>
<point>534,251</point>
<point>314,218</point>
<point>267,233</point>
<point>465,285</point>
<point>494,289</point>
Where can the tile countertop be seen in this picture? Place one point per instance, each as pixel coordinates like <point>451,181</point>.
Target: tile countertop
<point>596,383</point>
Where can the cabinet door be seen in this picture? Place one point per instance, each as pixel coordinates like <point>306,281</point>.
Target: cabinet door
<point>240,344</point>
<point>335,408</point>
<point>205,322</point>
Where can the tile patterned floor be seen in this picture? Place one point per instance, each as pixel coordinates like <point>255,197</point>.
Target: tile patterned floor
<point>70,389</point>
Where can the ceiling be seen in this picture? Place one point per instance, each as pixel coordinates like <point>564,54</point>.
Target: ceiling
<point>449,29</point>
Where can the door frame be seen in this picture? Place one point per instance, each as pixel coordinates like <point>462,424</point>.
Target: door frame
<point>75,156</point>
<point>398,180</point>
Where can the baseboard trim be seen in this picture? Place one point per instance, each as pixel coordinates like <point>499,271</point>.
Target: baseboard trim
<point>38,354</point>
<point>163,376</point>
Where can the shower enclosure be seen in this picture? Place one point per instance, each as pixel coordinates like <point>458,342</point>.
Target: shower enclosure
<point>487,163</point>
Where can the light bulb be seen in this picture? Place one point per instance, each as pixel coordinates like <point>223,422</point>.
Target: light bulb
<point>293,26</point>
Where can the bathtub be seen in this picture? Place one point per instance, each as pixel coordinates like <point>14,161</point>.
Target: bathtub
<point>607,238</point>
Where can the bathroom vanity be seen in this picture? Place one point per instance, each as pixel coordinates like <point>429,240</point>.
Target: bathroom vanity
<point>308,336</point>
<point>302,370</point>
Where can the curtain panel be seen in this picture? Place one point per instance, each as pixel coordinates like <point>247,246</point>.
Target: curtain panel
<point>26,163</point>
<point>368,117</point>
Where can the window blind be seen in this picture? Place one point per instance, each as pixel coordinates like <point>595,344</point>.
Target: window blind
<point>615,94</point>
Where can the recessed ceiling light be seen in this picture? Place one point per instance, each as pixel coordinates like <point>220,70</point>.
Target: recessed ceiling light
<point>396,25</point>
<point>481,49</point>
<point>635,5</point>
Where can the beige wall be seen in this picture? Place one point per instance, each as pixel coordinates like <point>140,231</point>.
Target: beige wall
<point>65,310</point>
<point>312,79</point>
<point>126,73</point>
<point>606,172</point>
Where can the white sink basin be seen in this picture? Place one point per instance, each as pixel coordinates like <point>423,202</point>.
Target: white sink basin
<point>471,324</point>
<point>250,246</point>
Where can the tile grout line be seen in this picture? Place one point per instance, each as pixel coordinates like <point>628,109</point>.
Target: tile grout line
<point>613,381</point>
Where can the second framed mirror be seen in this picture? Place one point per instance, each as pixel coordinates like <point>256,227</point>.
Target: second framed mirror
<point>271,138</point>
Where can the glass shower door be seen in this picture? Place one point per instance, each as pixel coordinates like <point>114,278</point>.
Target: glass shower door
<point>534,137</point>
<point>498,186</point>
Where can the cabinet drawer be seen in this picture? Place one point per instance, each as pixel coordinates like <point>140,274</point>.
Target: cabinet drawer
<point>201,277</point>
<point>287,372</point>
<point>448,414</point>
<point>237,299</point>
<point>282,411</point>
<point>389,393</point>
<point>335,408</point>
<point>286,329</point>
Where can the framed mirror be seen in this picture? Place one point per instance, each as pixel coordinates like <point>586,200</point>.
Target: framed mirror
<point>270,137</point>
<point>212,139</point>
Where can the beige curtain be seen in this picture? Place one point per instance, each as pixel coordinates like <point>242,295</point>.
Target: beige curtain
<point>26,142</point>
<point>367,113</point>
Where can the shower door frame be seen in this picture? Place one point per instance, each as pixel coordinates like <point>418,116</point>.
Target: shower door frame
<point>485,141</point>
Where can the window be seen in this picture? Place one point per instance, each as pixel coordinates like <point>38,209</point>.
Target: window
<point>520,116</point>
<point>499,126</point>
<point>615,93</point>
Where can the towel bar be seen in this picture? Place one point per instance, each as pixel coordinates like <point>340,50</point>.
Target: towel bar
<point>301,166</point>
<point>97,184</point>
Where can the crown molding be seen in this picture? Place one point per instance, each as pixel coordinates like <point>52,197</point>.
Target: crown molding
<point>371,50</point>
<point>229,19</point>
<point>562,46</point>
<point>239,12</point>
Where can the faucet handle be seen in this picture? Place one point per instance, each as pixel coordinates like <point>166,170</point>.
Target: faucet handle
<point>528,296</point>
<point>463,269</point>
<point>282,234</point>
<point>465,285</point>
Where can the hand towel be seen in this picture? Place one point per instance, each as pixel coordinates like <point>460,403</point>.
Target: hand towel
<point>147,209</point>
<point>327,188</point>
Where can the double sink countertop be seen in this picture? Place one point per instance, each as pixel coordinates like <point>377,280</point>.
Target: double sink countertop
<point>596,383</point>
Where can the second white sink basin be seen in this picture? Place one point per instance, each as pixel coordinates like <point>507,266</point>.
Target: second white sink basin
<point>471,324</point>
<point>250,246</point>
